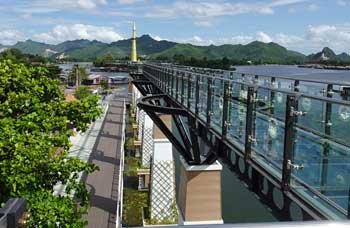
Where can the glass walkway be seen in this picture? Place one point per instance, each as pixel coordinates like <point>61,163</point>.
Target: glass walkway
<point>298,130</point>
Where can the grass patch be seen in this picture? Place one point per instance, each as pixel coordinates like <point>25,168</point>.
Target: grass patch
<point>133,203</point>
<point>131,165</point>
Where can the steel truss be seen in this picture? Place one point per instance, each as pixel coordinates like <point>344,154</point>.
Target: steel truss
<point>162,104</point>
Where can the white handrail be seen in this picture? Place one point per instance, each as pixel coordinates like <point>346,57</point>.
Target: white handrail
<point>119,213</point>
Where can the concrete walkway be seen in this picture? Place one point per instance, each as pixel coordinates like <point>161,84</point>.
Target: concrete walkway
<point>103,185</point>
<point>83,144</point>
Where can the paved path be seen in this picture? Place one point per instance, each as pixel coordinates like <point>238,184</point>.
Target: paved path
<point>103,184</point>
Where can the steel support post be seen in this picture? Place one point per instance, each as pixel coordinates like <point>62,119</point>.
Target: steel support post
<point>249,124</point>
<point>189,90</point>
<point>209,100</point>
<point>225,122</point>
<point>177,86</point>
<point>349,205</point>
<point>328,123</point>
<point>182,87</point>
<point>172,83</point>
<point>197,95</point>
<point>288,142</point>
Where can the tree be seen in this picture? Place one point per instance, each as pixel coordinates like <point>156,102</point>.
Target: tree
<point>104,85</point>
<point>17,56</point>
<point>80,71</point>
<point>82,93</point>
<point>104,60</point>
<point>35,121</point>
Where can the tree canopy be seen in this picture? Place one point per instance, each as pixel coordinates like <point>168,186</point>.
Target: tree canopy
<point>35,126</point>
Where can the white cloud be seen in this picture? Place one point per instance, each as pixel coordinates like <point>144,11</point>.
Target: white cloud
<point>313,7</point>
<point>47,6</point>
<point>126,2</point>
<point>10,37</point>
<point>334,36</point>
<point>263,37</point>
<point>218,8</point>
<point>78,31</point>
<point>343,2</point>
<point>285,2</point>
<point>157,38</point>
<point>202,23</point>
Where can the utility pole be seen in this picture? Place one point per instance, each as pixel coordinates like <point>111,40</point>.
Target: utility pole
<point>77,75</point>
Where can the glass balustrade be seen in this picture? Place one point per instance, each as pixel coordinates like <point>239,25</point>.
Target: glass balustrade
<point>320,144</point>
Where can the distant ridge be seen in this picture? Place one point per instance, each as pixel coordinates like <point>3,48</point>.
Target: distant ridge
<point>86,50</point>
<point>328,54</point>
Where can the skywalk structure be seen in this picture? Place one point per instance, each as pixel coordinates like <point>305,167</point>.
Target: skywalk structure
<point>287,139</point>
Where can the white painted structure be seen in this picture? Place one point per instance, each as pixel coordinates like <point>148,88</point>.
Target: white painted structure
<point>162,191</point>
<point>147,141</point>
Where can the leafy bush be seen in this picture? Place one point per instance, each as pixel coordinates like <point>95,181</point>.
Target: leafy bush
<point>82,93</point>
<point>35,120</point>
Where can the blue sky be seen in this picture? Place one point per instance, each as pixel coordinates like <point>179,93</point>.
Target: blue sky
<point>301,25</point>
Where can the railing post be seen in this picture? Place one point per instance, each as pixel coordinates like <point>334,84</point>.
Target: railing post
<point>182,87</point>
<point>249,124</point>
<point>288,141</point>
<point>209,100</point>
<point>328,121</point>
<point>189,89</point>
<point>349,205</point>
<point>168,81</point>
<point>296,85</point>
<point>227,95</point>
<point>177,86</point>
<point>272,97</point>
<point>327,129</point>
<point>172,82</point>
<point>197,95</point>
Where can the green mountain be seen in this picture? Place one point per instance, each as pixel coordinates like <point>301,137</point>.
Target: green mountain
<point>35,48</point>
<point>344,57</point>
<point>255,51</point>
<point>328,54</point>
<point>3,48</point>
<point>147,47</point>
<point>81,49</point>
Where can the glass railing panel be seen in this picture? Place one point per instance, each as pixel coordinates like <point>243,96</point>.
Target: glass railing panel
<point>237,111</point>
<point>217,104</point>
<point>340,123</point>
<point>338,93</point>
<point>237,77</point>
<point>312,88</point>
<point>269,138</point>
<point>271,103</point>
<point>281,83</point>
<point>322,154</point>
<point>325,168</point>
<point>203,94</point>
<point>314,117</point>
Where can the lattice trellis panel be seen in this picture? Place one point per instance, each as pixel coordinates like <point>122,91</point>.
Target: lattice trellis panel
<point>147,146</point>
<point>162,190</point>
<point>141,123</point>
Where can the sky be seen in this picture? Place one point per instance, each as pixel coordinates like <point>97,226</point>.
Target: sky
<point>301,25</point>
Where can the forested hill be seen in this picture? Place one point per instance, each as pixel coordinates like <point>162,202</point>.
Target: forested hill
<point>147,47</point>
